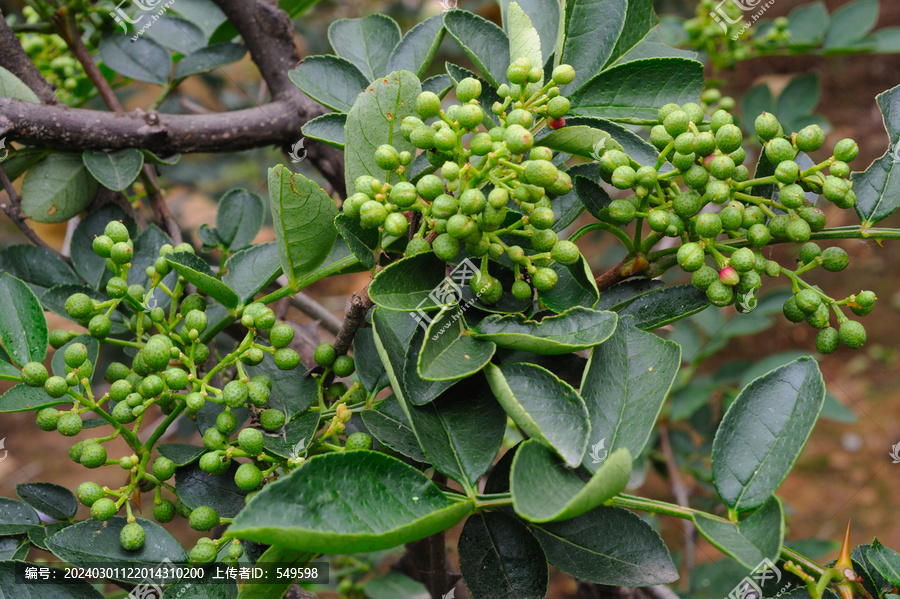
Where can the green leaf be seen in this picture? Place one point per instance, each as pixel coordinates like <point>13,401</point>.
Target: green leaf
<point>591,195</point>
<point>640,24</point>
<point>394,585</point>
<point>764,431</point>
<point>252,269</point>
<point>850,23</point>
<point>13,549</point>
<point>624,387</point>
<point>54,500</point>
<point>439,84</point>
<point>362,242</point>
<point>886,561</point>
<point>635,91</point>
<point>499,558</point>
<point>329,80</point>
<point>609,546</point>
<point>574,330</point>
<point>114,170</point>
<point>209,58</point>
<point>219,491</point>
<point>592,28</point>
<point>872,580</point>
<point>665,306</point>
<point>545,19</point>
<point>176,34</point>
<point>58,363</point>
<point>292,392</point>
<point>16,517</point>
<point>410,284</point>
<point>798,100</point>
<point>418,47</point>
<point>543,406</point>
<point>461,431</point>
<point>374,120</point>
<point>575,286</point>
<point>299,433</point>
<point>141,59</point>
<point>13,87</point>
<point>23,328</point>
<point>57,188</point>
<point>167,160</point>
<point>239,218</point>
<point>146,251</point>
<point>524,41</point>
<point>14,584</point>
<point>579,141</point>
<point>327,128</point>
<point>40,268</point>
<point>389,424</point>
<point>652,46</point>
<point>369,369</point>
<point>181,454</point>
<point>751,540</point>
<point>544,489</point>
<point>54,300</point>
<point>302,214</point>
<point>195,270</point>
<point>887,40</point>
<point>23,398</point>
<point>620,295</point>
<point>808,24</point>
<point>295,8</point>
<point>484,43</point>
<point>366,42</point>
<point>91,541</point>
<point>878,188</point>
<point>383,503</point>
<point>203,13</point>
<point>449,352</point>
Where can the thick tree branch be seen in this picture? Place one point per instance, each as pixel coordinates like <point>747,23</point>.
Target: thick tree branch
<point>354,316</point>
<point>14,59</point>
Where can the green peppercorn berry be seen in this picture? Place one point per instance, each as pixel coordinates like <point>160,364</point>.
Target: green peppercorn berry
<point>846,150</point>
<point>659,137</point>
<point>121,253</point>
<point>117,232</point>
<point>213,439</point>
<point>195,401</point>
<point>658,220</point>
<point>696,177</point>
<point>684,143</point>
<point>271,419</point>
<point>194,301</point>
<point>163,468</point>
<point>792,196</point>
<point>352,205</point>
<point>704,277</point>
<point>621,212</point>
<point>787,172</point>
<point>563,74</point>
<point>840,169</point>
<point>34,374</point>
<point>753,215</point>
<point>518,139</point>
<point>122,413</point>
<point>729,138</point>
<point>417,245</point>
<point>675,227</point>
<point>565,252</point>
<point>750,281</point>
<point>47,419</point>
<point>742,260</point>
<point>690,257</point>
<point>866,299</point>
<point>814,216</point>
<point>798,230</point>
<point>834,259</point>
<point>808,301</point>
<point>56,387</point>
<point>541,218</point>
<point>89,493</point>
<point>372,214</point>
<point>544,279</point>
<point>719,119</point>
<point>214,462</point>
<point>428,105</point>
<point>540,173</point>
<point>835,189</point>
<point>203,553</point>
<point>820,318</point>
<point>558,107</point>
<point>226,422</point>
<point>445,247</point>
<point>75,355</point>
<point>396,224</point>
<point>722,167</point>
<point>720,294</point>
<point>203,518</point>
<point>387,157</point>
<point>151,386</point>
<point>676,122</point>
<point>687,204</point>
<point>759,235</point>
<point>286,358</point>
<point>810,138</point>
<point>103,509</point>
<point>522,291</point>
<point>93,455</point>
<point>852,334</point>
<point>325,355</point>
<point>79,306</point>
<point>683,161</point>
<point>164,511</point>
<point>251,441</point>
<point>766,126</point>
<point>248,477</point>
<point>809,252</point>
<point>472,201</point>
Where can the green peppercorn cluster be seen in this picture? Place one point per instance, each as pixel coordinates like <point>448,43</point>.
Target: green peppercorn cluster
<point>495,183</point>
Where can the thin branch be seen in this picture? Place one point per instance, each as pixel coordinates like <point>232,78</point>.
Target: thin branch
<point>14,59</point>
<point>311,307</point>
<point>13,210</point>
<point>354,316</point>
<point>659,592</point>
<point>192,106</point>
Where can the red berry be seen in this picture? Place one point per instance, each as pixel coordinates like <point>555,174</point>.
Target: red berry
<point>556,123</point>
<point>729,276</point>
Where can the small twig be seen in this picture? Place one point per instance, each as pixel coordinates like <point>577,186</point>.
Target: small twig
<point>659,592</point>
<point>13,210</point>
<point>311,307</point>
<point>680,491</point>
<point>354,316</point>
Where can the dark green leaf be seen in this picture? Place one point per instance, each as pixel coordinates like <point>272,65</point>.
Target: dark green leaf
<point>872,580</point>
<point>545,489</point>
<point>439,84</point>
<point>297,436</point>
<point>524,42</point>
<point>887,40</point>
<point>23,398</point>
<point>620,295</point>
<point>756,101</point>
<point>544,17</point>
<point>878,188</point>
<point>57,188</point>
<point>573,330</point>
<point>763,432</point>
<point>543,406</point>
<point>16,517</point>
<point>624,387</point>
<point>195,270</point>
<point>484,43</point>
<point>252,270</point>
<point>295,8</point>
<point>329,80</point>
<point>302,214</point>
<point>181,454</point>
<point>13,549</point>
<point>383,503</point>
<point>375,120</point>
<point>167,160</point>
<point>40,268</point>
<point>176,34</point>
<point>218,491</point>
<point>292,393</point>
<point>394,585</point>
<point>640,23</point>
<point>752,540</point>
<point>369,369</point>
<point>416,50</point>
<point>146,251</point>
<point>578,141</point>
<point>667,305</point>
<point>886,561</point>
<point>54,300</point>
<point>15,166</point>
<point>592,28</point>
<point>208,58</point>
<point>210,587</point>
<point>328,128</point>
<point>13,87</point>
<point>499,558</point>
<point>610,546</point>
<point>808,24</point>
<point>635,91</point>
<point>411,284</point>
<point>461,431</point>
<point>39,535</point>
<point>639,150</point>
<point>8,372</point>
<point>239,218</point>
<point>850,23</point>
<point>90,266</point>
<point>591,195</point>
<point>449,352</point>
<point>652,46</point>
<point>366,42</point>
<point>799,98</point>
<point>575,286</point>
<point>54,500</point>
<point>388,423</point>
<point>203,13</point>
<point>92,541</point>
<point>14,584</point>
<point>141,59</point>
<point>114,170</point>
<point>23,328</point>
<point>362,242</point>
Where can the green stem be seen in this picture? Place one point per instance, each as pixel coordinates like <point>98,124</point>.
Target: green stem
<point>623,237</point>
